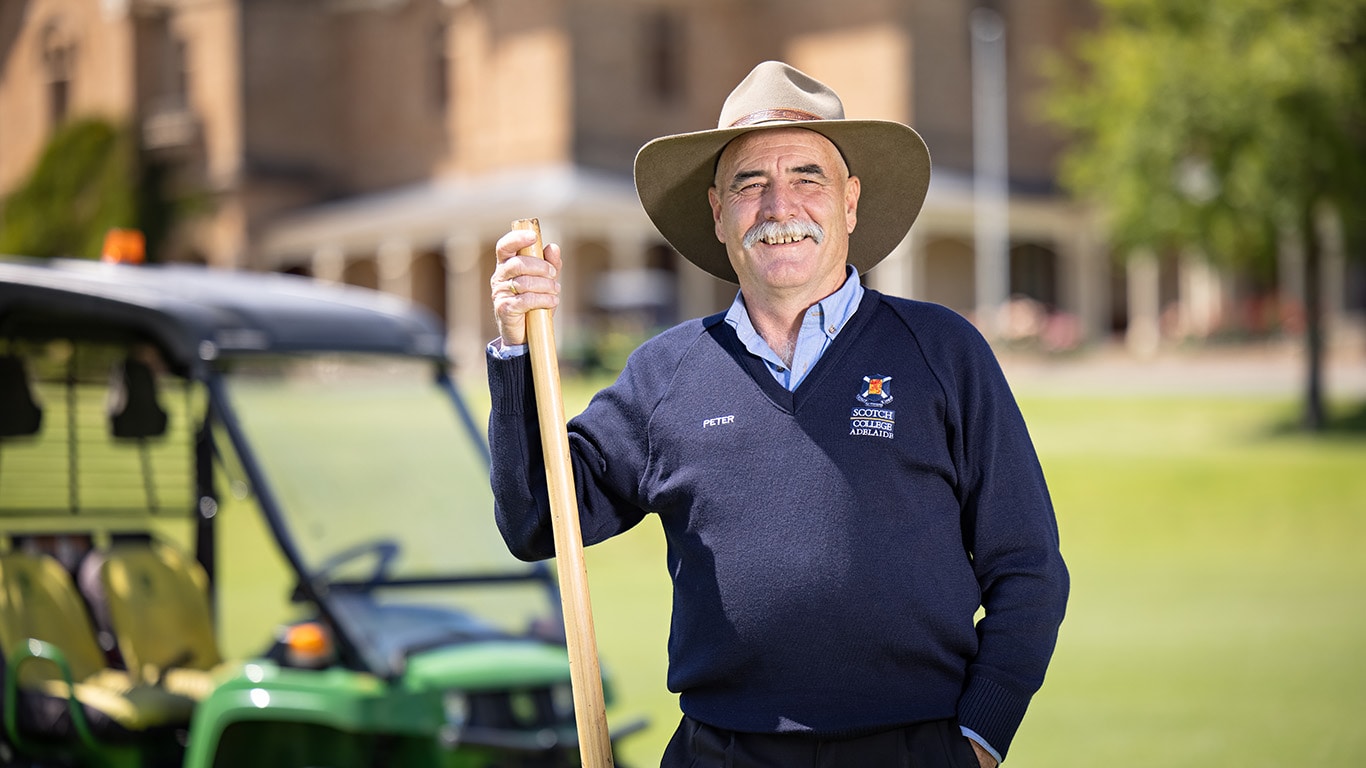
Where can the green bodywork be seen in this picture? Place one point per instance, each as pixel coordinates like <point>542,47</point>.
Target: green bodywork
<point>265,715</point>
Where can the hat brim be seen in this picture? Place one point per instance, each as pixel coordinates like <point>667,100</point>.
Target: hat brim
<point>673,174</point>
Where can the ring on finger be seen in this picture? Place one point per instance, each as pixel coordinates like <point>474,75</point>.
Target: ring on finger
<point>512,286</point>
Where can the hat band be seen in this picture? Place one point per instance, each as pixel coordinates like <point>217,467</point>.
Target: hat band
<point>766,115</point>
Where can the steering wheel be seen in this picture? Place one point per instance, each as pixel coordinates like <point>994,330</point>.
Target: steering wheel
<point>384,551</point>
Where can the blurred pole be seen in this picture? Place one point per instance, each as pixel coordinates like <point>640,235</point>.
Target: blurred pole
<point>990,169</point>
<point>1145,303</point>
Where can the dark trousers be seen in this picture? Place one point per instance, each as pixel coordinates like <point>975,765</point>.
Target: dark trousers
<point>935,744</point>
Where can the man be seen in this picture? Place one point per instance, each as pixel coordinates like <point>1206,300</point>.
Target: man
<point>842,477</point>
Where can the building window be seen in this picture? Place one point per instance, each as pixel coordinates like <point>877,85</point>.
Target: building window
<point>59,100</point>
<point>178,74</point>
<point>164,79</point>
<point>441,68</point>
<point>663,55</point>
<point>59,63</point>
<point>163,63</point>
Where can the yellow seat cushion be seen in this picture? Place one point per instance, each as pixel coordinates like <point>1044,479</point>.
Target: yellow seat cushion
<point>196,684</point>
<point>133,706</point>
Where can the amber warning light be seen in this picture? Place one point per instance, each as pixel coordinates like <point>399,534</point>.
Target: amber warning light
<point>308,645</point>
<point>124,246</point>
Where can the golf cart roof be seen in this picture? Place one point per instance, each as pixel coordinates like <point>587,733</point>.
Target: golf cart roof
<point>197,314</point>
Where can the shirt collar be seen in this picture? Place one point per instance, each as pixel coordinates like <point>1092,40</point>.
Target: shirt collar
<point>832,313</point>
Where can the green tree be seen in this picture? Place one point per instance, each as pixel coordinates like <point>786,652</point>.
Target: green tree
<point>90,178</point>
<point>1222,126</point>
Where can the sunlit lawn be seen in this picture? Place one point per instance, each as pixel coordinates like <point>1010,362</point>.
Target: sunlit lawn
<point>1218,613</point>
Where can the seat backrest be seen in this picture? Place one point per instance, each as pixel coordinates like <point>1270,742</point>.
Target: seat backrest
<point>38,599</point>
<point>158,606</point>
<point>134,410</point>
<point>20,415</point>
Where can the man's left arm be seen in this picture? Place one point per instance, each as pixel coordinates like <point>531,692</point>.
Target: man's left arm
<point>1011,534</point>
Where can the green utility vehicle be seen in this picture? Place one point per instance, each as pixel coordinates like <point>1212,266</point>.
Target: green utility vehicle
<point>190,457</point>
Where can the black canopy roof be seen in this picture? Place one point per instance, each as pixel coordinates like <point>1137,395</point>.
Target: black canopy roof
<point>199,314</point>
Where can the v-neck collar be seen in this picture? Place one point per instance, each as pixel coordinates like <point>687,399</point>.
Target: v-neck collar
<point>789,402</point>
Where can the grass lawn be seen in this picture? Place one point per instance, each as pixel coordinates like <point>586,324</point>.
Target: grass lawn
<point>1217,612</point>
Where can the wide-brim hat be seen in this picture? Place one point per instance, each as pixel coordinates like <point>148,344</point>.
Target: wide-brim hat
<point>673,173</point>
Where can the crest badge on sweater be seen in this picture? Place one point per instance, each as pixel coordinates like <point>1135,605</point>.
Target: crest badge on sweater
<point>873,419</point>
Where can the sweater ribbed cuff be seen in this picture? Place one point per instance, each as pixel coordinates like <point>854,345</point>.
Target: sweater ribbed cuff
<point>993,711</point>
<point>509,384</point>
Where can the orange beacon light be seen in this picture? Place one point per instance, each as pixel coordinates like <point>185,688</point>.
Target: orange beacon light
<point>124,246</point>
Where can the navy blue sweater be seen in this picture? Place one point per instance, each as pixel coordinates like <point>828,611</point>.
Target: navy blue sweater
<point>829,546</point>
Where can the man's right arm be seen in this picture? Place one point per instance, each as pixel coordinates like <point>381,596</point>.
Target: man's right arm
<point>519,284</point>
<point>607,447</point>
<point>521,501</point>
<point>521,504</point>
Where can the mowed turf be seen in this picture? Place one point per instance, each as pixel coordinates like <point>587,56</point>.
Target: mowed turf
<point>1218,612</point>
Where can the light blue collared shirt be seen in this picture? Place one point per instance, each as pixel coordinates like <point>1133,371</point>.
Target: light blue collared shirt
<point>821,324</point>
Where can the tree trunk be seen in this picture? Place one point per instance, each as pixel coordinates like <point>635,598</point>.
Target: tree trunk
<point>1313,419</point>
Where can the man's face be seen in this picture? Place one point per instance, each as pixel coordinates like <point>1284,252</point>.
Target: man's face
<point>790,192</point>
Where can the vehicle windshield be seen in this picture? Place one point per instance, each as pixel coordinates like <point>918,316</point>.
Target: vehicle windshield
<point>378,480</point>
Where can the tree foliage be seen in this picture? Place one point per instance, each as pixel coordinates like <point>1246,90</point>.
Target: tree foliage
<point>1224,127</point>
<point>1216,124</point>
<point>83,184</point>
<point>90,178</point>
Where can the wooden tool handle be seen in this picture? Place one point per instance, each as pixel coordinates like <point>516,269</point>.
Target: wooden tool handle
<point>595,745</point>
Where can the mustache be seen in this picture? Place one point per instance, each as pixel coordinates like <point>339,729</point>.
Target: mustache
<point>783,231</point>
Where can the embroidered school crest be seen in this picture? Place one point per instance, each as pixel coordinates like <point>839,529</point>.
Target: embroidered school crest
<point>875,392</point>
<point>873,420</point>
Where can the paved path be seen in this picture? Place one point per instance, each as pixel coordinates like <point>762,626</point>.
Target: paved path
<point>1259,370</point>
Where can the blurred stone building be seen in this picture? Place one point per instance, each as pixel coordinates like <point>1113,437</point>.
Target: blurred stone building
<point>388,143</point>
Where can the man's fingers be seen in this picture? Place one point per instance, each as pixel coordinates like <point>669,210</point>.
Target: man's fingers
<point>512,242</point>
<point>522,283</point>
<point>984,757</point>
<point>517,239</point>
<point>516,285</point>
<point>551,251</point>
<point>514,267</point>
<point>516,276</point>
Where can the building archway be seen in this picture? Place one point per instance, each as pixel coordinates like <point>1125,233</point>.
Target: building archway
<point>429,282</point>
<point>949,269</point>
<point>361,272</point>
<point>1034,274</point>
